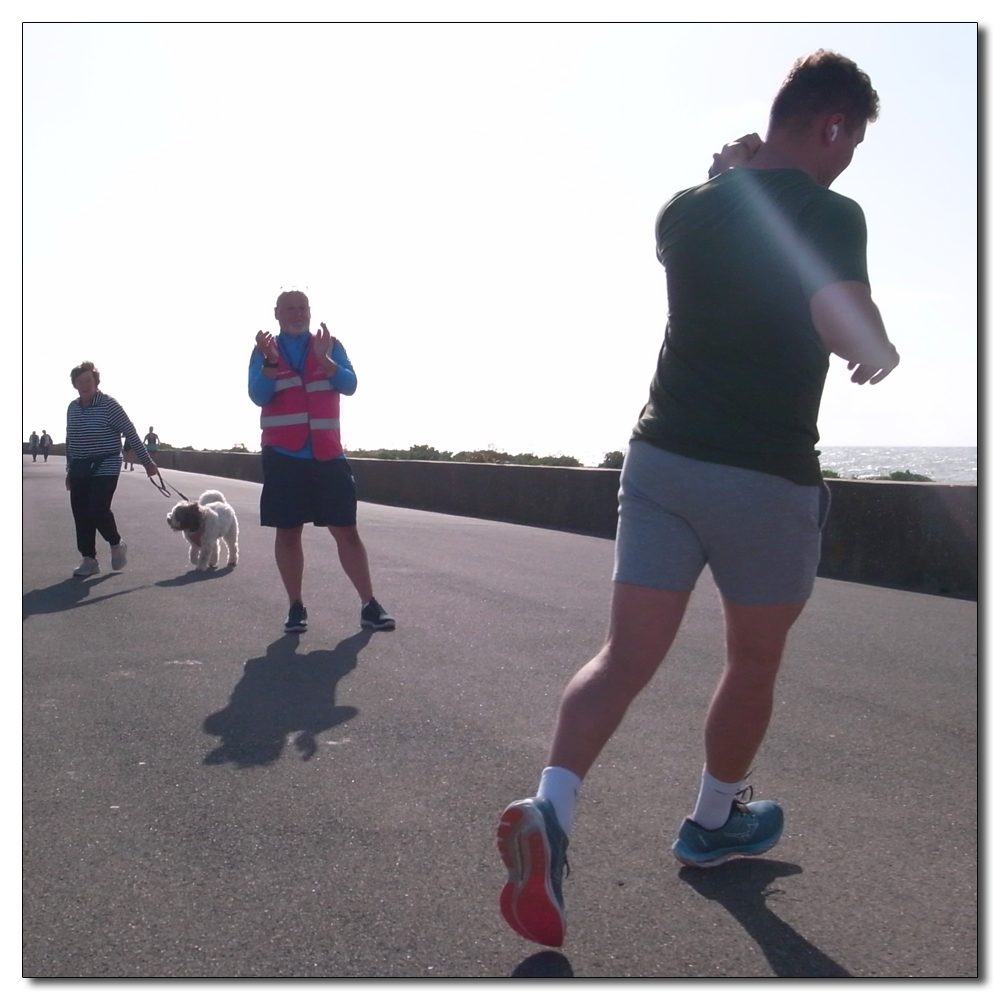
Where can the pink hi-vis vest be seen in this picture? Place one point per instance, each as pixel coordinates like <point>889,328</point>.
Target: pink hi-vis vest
<point>302,407</point>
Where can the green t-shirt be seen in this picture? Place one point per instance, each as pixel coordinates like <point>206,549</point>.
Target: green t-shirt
<point>741,370</point>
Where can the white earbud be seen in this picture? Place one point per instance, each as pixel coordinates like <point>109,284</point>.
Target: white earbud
<point>834,129</point>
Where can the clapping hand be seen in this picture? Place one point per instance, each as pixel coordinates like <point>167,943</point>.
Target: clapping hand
<point>266,346</point>
<point>323,342</point>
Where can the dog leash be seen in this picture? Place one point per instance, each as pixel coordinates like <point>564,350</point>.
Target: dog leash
<point>165,488</point>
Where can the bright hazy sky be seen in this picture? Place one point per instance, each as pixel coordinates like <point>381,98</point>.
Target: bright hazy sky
<point>470,207</point>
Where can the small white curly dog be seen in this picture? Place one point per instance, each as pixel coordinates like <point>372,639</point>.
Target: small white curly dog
<point>206,525</point>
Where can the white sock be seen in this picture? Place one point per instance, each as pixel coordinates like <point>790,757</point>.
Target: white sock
<point>715,800</point>
<point>561,787</point>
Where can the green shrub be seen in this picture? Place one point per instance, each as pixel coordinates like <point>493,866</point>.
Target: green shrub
<point>907,477</point>
<point>489,456</point>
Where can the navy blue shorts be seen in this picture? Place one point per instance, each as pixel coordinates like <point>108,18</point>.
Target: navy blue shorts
<point>299,490</point>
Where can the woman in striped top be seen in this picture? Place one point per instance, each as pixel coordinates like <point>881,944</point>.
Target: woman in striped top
<point>95,424</point>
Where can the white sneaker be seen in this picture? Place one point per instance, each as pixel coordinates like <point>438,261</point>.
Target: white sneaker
<point>87,568</point>
<point>119,555</point>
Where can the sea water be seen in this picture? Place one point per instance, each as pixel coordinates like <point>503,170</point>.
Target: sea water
<point>943,465</point>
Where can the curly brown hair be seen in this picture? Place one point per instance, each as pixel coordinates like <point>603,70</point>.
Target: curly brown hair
<point>824,83</point>
<point>85,366</point>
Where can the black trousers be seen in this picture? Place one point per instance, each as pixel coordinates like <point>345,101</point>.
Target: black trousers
<point>90,500</point>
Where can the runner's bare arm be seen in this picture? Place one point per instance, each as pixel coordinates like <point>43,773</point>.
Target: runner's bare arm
<point>850,326</point>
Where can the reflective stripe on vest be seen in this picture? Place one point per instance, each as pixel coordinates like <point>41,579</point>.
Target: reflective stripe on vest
<point>324,424</point>
<point>286,383</point>
<point>284,419</point>
<point>323,386</point>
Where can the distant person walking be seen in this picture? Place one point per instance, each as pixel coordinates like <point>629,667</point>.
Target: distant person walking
<point>297,379</point>
<point>33,440</point>
<point>151,441</point>
<point>128,458</point>
<point>95,424</point>
<point>45,442</point>
<point>766,277</point>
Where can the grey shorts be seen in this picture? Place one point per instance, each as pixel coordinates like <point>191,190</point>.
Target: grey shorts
<point>759,534</point>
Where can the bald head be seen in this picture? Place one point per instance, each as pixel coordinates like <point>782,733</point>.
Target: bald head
<point>292,312</point>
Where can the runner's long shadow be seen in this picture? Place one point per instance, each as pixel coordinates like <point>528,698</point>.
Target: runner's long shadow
<point>544,965</point>
<point>66,594</point>
<point>282,693</point>
<point>743,887</point>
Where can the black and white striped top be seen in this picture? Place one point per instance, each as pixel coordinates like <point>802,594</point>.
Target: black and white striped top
<point>98,429</point>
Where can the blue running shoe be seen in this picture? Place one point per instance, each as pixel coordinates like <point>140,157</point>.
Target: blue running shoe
<point>752,828</point>
<point>533,847</point>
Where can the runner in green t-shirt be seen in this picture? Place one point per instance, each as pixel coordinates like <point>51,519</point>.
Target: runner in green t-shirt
<point>741,373</point>
<point>766,276</point>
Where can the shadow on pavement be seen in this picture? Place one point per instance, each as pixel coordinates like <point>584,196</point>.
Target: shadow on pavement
<point>544,965</point>
<point>66,594</point>
<point>194,576</point>
<point>282,693</point>
<point>742,887</point>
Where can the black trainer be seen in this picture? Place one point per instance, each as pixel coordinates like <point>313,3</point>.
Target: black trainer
<point>296,620</point>
<point>373,615</point>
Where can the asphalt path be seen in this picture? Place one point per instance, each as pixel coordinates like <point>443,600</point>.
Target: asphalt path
<point>205,796</point>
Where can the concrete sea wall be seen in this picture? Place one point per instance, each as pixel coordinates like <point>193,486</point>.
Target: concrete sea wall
<point>914,536</point>
<point>917,536</point>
